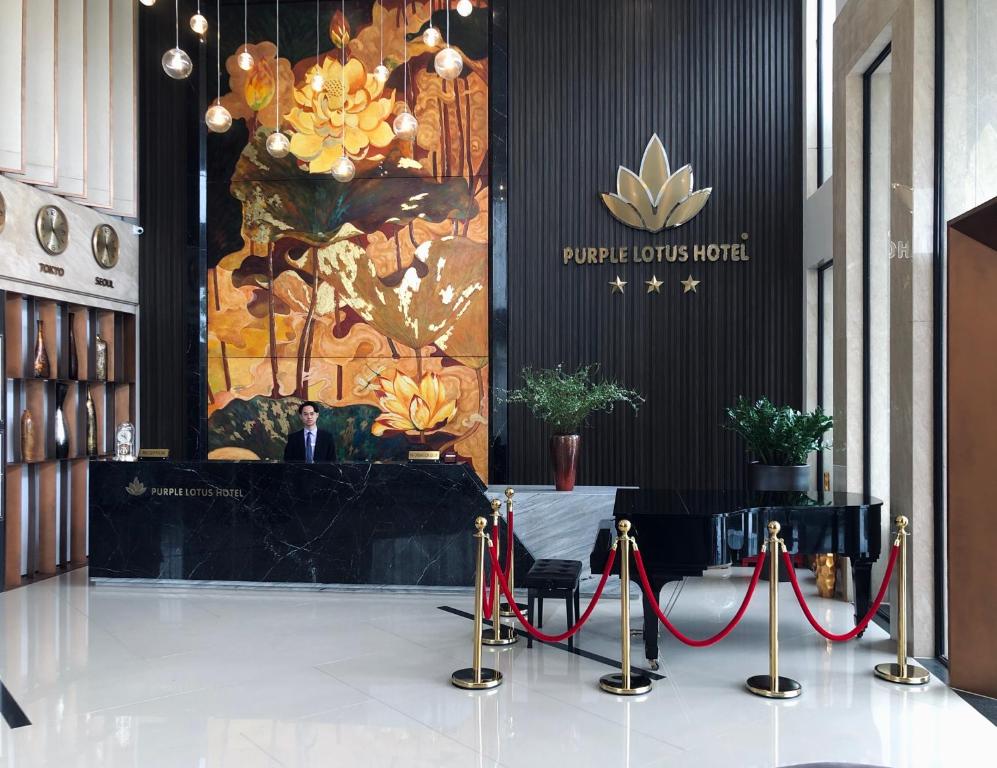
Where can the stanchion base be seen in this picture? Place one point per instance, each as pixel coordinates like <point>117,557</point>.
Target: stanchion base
<point>507,613</point>
<point>614,684</point>
<point>507,636</point>
<point>915,675</point>
<point>761,685</point>
<point>464,678</point>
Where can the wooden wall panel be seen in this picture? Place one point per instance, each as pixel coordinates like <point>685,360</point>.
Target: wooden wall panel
<point>972,445</point>
<point>98,109</point>
<point>11,64</point>
<point>38,101</point>
<point>71,92</point>
<point>720,81</point>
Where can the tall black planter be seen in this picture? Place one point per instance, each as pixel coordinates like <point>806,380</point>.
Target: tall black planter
<point>767,477</point>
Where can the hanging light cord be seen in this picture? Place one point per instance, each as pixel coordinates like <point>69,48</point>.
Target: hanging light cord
<point>218,49</point>
<point>316,32</point>
<point>276,109</point>
<point>405,42</point>
<point>245,25</point>
<point>448,24</point>
<point>176,19</point>
<point>343,75</point>
<point>382,33</point>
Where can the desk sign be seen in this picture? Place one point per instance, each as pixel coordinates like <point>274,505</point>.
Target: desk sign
<point>154,453</point>
<point>423,455</point>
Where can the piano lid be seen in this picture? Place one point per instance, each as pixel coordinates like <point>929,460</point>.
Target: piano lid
<point>631,502</point>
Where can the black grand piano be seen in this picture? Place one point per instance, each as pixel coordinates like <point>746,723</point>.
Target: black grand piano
<point>682,533</point>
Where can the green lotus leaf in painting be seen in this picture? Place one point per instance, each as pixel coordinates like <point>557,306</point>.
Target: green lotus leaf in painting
<point>261,425</point>
<point>280,198</point>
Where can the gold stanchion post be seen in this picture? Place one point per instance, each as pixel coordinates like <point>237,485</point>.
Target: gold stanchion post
<point>772,686</point>
<point>505,609</point>
<point>498,633</point>
<point>903,671</point>
<point>625,682</point>
<point>475,677</point>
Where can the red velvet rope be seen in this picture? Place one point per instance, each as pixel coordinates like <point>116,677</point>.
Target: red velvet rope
<point>486,593</point>
<point>652,598</point>
<point>504,585</point>
<point>860,627</point>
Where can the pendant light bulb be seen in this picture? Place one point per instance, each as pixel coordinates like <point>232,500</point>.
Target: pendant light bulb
<point>448,64</point>
<point>381,73</point>
<point>405,126</point>
<point>317,81</point>
<point>464,7</point>
<point>432,37</point>
<point>245,60</point>
<point>217,118</point>
<point>278,145</point>
<point>343,170</point>
<point>148,3</point>
<point>177,64</point>
<point>199,24</point>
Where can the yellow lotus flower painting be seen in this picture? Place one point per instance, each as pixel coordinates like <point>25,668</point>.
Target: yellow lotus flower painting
<point>348,112</point>
<point>655,198</point>
<point>369,297</point>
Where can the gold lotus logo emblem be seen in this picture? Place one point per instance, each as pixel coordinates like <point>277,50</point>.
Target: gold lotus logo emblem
<point>655,199</point>
<point>135,487</point>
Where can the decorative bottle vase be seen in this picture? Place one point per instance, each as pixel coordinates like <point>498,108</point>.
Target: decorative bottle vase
<point>61,428</point>
<point>91,426</point>
<point>564,455</point>
<point>101,359</point>
<point>27,436</point>
<point>74,362</point>
<point>41,366</point>
<point>826,574</point>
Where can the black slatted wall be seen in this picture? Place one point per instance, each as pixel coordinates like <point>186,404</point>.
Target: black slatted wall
<point>720,81</point>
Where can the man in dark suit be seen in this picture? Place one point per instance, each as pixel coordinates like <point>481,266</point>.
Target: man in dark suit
<point>309,444</point>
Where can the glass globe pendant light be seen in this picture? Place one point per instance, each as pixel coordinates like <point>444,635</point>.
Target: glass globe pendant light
<point>317,81</point>
<point>448,62</point>
<point>176,62</point>
<point>343,169</point>
<point>198,23</point>
<point>431,37</point>
<point>464,7</point>
<point>381,71</point>
<point>405,125</point>
<point>148,3</point>
<point>217,118</point>
<point>245,58</point>
<point>278,145</point>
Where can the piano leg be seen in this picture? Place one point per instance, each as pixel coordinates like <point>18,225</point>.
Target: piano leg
<point>650,619</point>
<point>862,579</point>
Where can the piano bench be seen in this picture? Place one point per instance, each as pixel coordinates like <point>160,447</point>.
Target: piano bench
<point>556,579</point>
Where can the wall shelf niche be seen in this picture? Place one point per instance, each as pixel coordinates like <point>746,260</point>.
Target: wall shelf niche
<point>45,492</point>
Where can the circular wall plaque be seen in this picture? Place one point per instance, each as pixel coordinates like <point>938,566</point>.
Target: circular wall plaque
<point>52,229</point>
<point>3,212</point>
<point>105,245</point>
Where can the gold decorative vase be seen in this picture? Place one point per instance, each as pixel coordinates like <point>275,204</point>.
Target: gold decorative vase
<point>826,569</point>
<point>41,367</point>
<point>27,436</point>
<point>101,359</point>
<point>91,426</point>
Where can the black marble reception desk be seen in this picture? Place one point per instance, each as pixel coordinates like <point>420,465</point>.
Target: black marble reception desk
<point>350,523</point>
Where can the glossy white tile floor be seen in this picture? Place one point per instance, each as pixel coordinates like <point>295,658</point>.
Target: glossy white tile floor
<point>149,677</point>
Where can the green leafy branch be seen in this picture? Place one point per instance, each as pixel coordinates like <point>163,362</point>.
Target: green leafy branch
<point>778,435</point>
<point>565,400</point>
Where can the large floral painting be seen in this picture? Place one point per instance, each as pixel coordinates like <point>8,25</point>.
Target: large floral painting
<point>370,296</point>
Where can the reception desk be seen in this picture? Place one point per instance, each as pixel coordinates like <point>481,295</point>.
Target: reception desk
<point>350,523</point>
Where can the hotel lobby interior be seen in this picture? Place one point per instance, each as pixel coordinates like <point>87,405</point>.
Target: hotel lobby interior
<point>498,383</point>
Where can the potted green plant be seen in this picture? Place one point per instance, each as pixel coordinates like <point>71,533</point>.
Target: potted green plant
<point>781,439</point>
<point>564,401</point>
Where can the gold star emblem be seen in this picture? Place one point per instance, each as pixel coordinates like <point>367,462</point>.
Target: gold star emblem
<point>689,284</point>
<point>616,286</point>
<point>653,285</point>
